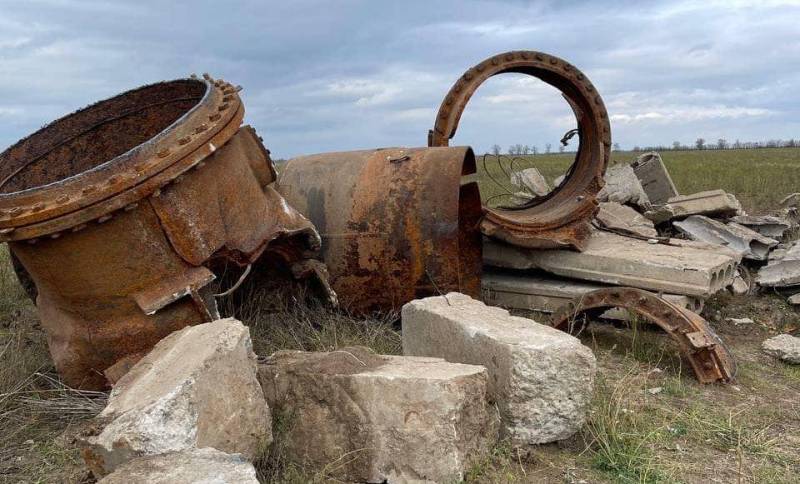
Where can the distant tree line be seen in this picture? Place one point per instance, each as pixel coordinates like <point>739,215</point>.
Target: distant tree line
<point>699,144</point>
<point>722,144</point>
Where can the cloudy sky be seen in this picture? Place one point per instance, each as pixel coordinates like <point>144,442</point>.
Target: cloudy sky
<point>337,75</point>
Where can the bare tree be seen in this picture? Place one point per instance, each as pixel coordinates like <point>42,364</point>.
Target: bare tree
<point>512,150</point>
<point>526,150</point>
<point>534,150</point>
<point>548,147</point>
<point>722,144</point>
<point>676,145</point>
<point>616,146</point>
<point>496,150</point>
<point>700,143</point>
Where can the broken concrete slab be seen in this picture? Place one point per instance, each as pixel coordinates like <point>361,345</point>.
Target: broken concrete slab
<point>794,299</point>
<point>713,202</point>
<point>785,347</point>
<point>186,467</point>
<point>618,217</point>
<point>546,293</point>
<point>559,180</point>
<point>748,243</point>
<point>782,269</point>
<point>686,269</point>
<point>739,286</point>
<point>540,378</point>
<point>531,180</point>
<point>622,186</point>
<point>766,225</point>
<point>363,417</point>
<point>197,388</point>
<point>791,201</point>
<point>654,178</point>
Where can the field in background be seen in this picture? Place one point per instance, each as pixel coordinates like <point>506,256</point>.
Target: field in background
<point>649,422</point>
<point>759,178</point>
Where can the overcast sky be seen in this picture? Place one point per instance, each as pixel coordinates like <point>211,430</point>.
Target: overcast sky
<point>339,75</point>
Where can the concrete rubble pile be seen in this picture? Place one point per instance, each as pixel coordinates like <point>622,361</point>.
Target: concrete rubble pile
<point>646,235</point>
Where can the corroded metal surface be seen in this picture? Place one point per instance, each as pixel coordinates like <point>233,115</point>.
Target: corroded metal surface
<point>120,213</point>
<point>562,218</point>
<point>710,359</point>
<point>396,223</point>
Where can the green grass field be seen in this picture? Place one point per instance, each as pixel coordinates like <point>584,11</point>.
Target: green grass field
<point>759,178</point>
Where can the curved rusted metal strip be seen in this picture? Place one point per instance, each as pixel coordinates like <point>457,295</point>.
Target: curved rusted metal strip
<point>704,349</point>
<point>562,218</point>
<point>396,223</point>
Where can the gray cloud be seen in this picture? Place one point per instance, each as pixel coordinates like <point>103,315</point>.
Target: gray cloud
<point>322,76</point>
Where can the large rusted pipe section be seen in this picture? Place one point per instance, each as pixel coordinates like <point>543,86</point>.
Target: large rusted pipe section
<point>120,212</point>
<point>562,218</point>
<point>396,223</point>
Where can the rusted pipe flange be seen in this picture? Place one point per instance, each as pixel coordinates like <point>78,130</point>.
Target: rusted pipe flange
<point>561,218</point>
<point>710,359</point>
<point>61,177</point>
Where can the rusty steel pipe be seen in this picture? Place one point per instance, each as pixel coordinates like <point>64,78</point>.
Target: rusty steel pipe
<point>561,218</point>
<point>119,212</point>
<point>396,223</point>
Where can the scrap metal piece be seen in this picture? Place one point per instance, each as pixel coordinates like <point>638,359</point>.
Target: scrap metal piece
<point>562,217</point>
<point>396,223</point>
<point>120,212</point>
<point>710,359</point>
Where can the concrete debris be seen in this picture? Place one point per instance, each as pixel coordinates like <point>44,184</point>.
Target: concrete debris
<point>655,390</point>
<point>540,378</point>
<point>521,198</point>
<point>192,466</point>
<point>380,418</point>
<point>716,203</point>
<point>748,243</point>
<point>740,286</point>
<point>544,293</point>
<point>782,270</point>
<point>785,347</point>
<point>615,216</point>
<point>791,201</point>
<point>766,225</point>
<point>740,321</point>
<point>654,177</point>
<point>622,186</point>
<point>197,388</point>
<point>794,299</point>
<point>559,180</point>
<point>613,259</point>
<point>531,180</point>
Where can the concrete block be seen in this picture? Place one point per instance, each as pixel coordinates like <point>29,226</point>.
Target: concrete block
<point>623,218</point>
<point>688,269</point>
<point>197,388</point>
<point>794,299</point>
<point>748,243</point>
<point>544,293</point>
<point>654,178</point>
<point>364,417</point>
<point>766,225</point>
<point>540,378</point>
<point>530,180</point>
<point>713,202</point>
<point>195,466</point>
<point>791,201</point>
<point>622,186</point>
<point>785,347</point>
<point>782,270</point>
